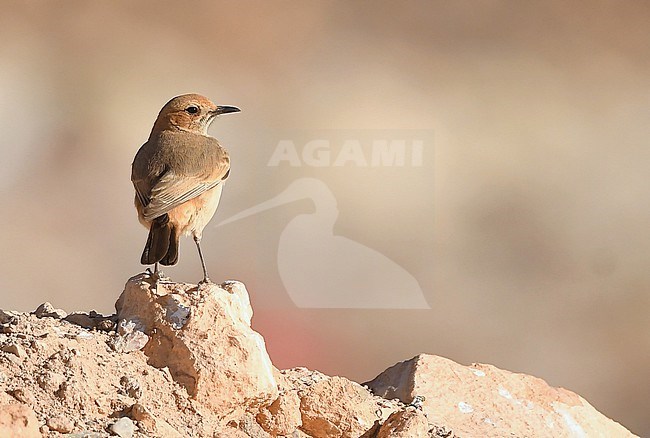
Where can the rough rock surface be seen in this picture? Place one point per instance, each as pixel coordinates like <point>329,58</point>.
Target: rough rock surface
<point>335,406</point>
<point>18,421</point>
<point>179,360</point>
<point>203,336</point>
<point>408,423</point>
<point>482,400</point>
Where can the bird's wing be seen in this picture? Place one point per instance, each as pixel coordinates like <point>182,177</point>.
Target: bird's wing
<point>140,193</point>
<point>187,173</point>
<point>173,190</point>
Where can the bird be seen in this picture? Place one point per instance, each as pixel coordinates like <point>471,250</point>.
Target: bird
<point>319,268</point>
<point>178,176</point>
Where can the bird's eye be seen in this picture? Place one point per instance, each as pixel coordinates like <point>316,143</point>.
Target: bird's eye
<point>192,109</point>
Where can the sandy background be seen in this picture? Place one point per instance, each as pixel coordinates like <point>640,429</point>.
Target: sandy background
<point>526,226</point>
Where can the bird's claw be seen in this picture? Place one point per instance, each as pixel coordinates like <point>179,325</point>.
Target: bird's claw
<point>155,275</point>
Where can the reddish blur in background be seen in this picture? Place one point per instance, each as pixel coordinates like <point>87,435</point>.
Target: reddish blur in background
<point>526,225</point>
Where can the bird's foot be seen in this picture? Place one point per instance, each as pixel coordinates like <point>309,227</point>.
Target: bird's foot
<point>156,275</point>
<point>160,276</point>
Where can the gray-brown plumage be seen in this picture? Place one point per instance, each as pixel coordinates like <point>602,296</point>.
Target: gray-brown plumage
<point>178,175</point>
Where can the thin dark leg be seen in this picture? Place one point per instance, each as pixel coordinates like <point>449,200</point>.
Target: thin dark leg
<point>158,274</point>
<point>206,279</point>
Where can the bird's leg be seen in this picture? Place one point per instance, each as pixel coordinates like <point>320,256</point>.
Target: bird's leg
<point>206,279</point>
<point>158,274</point>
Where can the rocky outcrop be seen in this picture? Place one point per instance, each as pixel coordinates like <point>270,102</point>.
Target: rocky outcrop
<point>178,360</point>
<point>482,400</point>
<point>203,336</point>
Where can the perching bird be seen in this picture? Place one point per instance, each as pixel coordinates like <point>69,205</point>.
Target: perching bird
<point>178,175</point>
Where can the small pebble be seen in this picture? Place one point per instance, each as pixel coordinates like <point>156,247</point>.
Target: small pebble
<point>24,396</point>
<point>123,427</point>
<point>60,424</point>
<point>131,386</point>
<point>14,349</point>
<point>84,335</point>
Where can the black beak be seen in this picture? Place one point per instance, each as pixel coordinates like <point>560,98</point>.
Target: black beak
<point>225,110</point>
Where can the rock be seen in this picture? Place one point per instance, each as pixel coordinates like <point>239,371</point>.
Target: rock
<point>299,434</point>
<point>483,400</point>
<point>203,336</point>
<point>337,407</point>
<point>18,421</point>
<point>124,427</point>
<point>130,336</point>
<point>8,317</point>
<point>81,319</point>
<point>152,425</point>
<point>131,387</point>
<point>87,434</point>
<point>60,424</point>
<point>50,381</point>
<point>186,363</point>
<point>92,320</point>
<point>24,395</point>
<point>282,417</point>
<point>231,432</point>
<point>249,426</point>
<point>408,423</point>
<point>106,325</point>
<point>15,349</point>
<point>46,310</point>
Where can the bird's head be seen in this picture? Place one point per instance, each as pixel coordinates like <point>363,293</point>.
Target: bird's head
<point>190,112</point>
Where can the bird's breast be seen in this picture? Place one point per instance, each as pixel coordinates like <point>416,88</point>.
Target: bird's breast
<point>192,216</point>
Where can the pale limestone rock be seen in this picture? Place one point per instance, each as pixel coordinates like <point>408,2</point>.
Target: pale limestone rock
<point>482,400</point>
<point>337,407</point>
<point>282,417</point>
<point>18,421</point>
<point>47,310</point>
<point>203,335</point>
<point>130,336</point>
<point>408,423</point>
<point>249,426</point>
<point>124,427</point>
<point>231,432</point>
<point>211,376</point>
<point>60,424</point>
<point>152,425</point>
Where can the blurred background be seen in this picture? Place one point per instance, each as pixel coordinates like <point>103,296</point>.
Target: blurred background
<point>526,225</point>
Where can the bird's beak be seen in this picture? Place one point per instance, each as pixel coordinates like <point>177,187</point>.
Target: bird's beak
<point>225,110</point>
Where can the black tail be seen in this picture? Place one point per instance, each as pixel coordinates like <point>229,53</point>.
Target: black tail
<point>159,244</point>
<point>172,252</point>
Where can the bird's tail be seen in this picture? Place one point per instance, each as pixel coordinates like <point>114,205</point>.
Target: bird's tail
<point>162,243</point>
<point>172,251</point>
